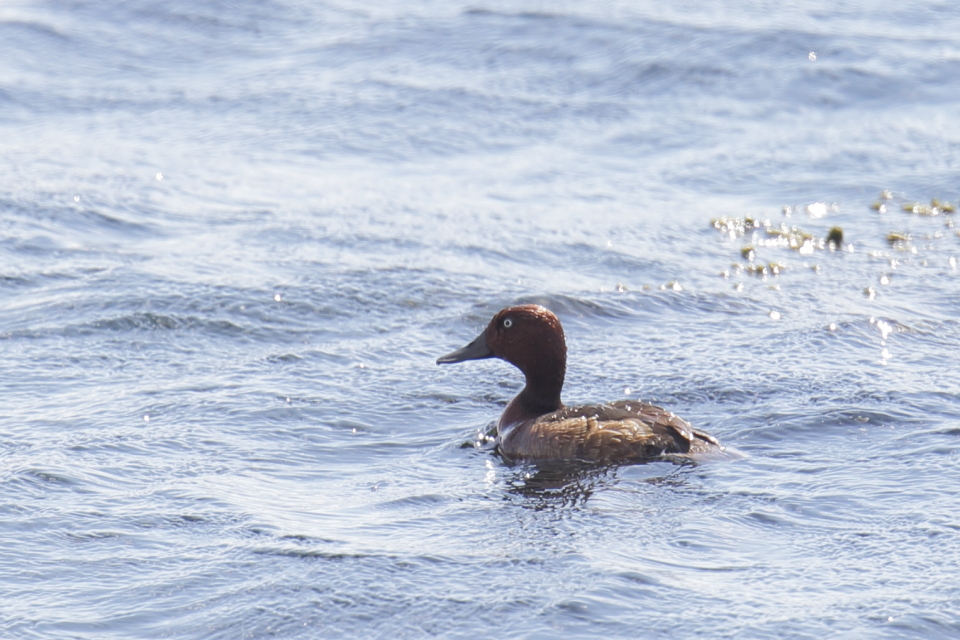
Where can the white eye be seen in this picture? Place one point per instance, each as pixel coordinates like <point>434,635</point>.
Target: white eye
<point>507,323</point>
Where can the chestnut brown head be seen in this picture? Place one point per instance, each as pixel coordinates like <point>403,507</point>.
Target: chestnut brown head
<point>527,336</point>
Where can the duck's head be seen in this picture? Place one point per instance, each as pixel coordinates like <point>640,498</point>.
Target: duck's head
<point>527,336</point>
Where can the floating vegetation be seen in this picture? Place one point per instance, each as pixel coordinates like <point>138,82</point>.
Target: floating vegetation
<point>782,235</point>
<point>736,227</point>
<point>783,231</point>
<point>756,234</point>
<point>920,209</point>
<point>835,237</point>
<point>766,234</point>
<point>792,237</point>
<point>934,209</point>
<point>901,241</point>
<point>898,236</point>
<point>759,269</point>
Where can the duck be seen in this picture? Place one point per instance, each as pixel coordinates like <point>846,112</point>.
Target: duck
<point>536,426</point>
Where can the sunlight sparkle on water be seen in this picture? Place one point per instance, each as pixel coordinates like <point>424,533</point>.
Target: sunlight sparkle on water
<point>885,329</point>
<point>490,476</point>
<point>817,209</point>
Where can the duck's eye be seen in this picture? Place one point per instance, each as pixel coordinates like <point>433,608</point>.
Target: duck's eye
<point>507,323</point>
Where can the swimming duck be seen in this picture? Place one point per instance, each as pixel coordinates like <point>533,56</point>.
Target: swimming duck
<point>537,426</point>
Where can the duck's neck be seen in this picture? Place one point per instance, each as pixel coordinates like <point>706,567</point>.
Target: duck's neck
<point>540,395</point>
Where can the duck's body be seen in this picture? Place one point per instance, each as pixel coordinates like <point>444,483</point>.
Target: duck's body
<point>537,426</point>
<point>618,431</point>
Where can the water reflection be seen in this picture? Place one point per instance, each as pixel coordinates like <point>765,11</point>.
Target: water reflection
<point>569,485</point>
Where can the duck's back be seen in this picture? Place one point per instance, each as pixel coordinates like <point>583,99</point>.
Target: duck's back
<point>612,432</point>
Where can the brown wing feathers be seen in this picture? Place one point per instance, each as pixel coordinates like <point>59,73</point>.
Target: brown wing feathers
<point>609,432</point>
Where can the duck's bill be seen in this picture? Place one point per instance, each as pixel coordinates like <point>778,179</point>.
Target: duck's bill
<point>476,350</point>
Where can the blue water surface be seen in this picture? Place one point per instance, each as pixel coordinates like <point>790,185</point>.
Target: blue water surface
<point>234,237</point>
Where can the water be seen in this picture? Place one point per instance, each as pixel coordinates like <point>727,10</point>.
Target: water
<point>234,239</point>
